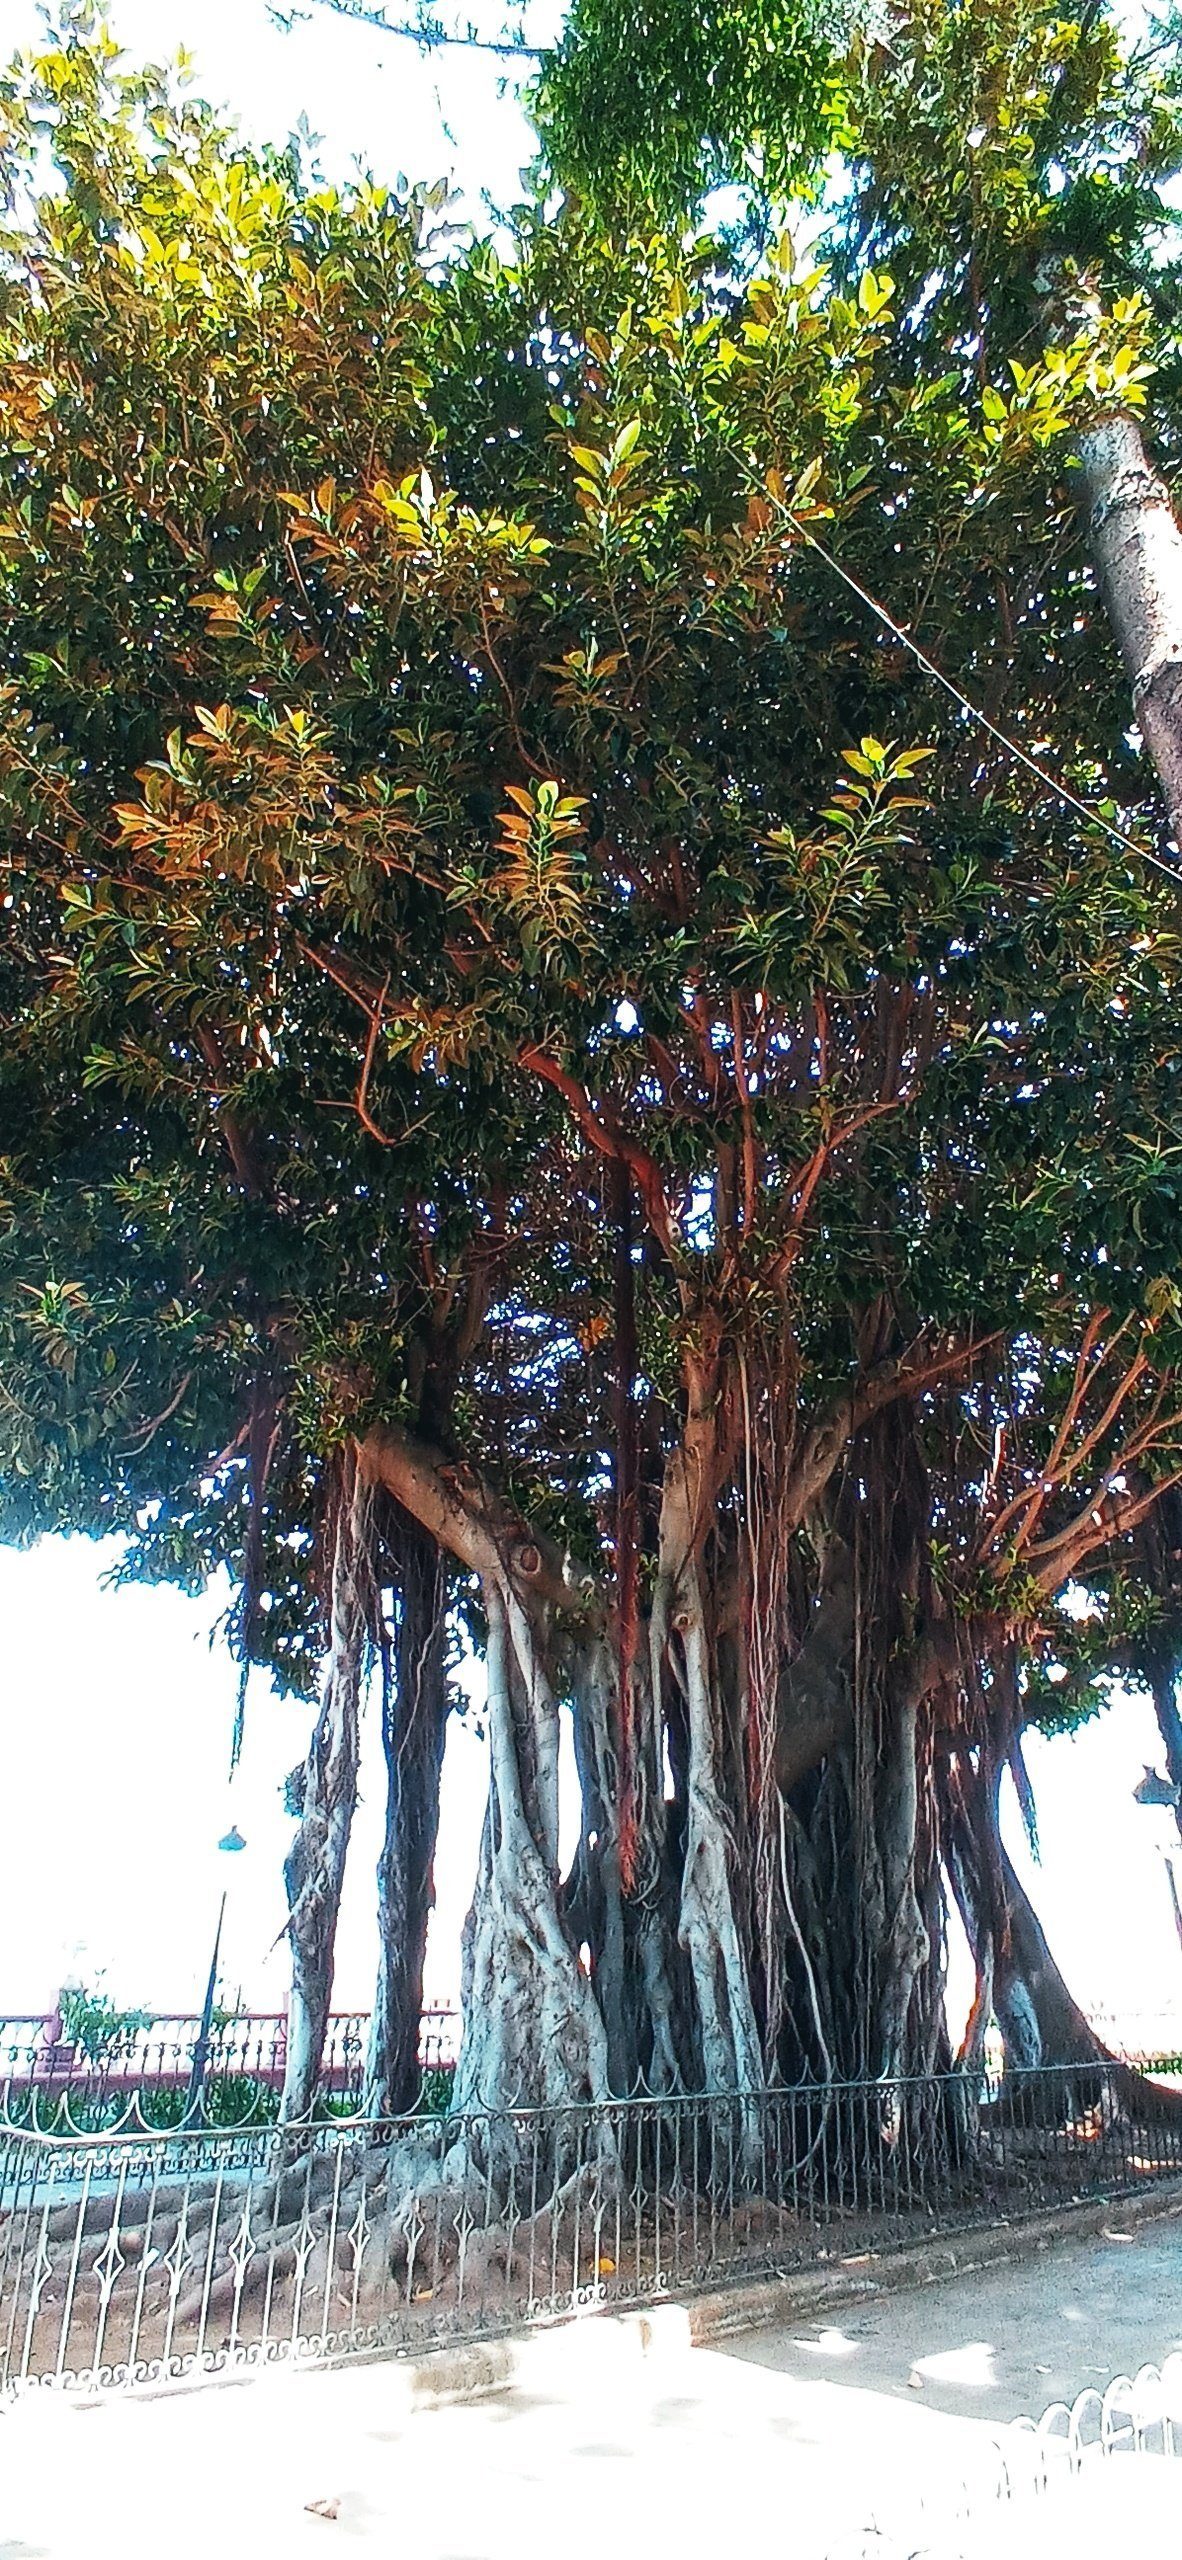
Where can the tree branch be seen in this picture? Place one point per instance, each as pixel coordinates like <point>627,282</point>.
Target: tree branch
<point>240,1145</point>
<point>421,31</point>
<point>475,1525</point>
<point>609,1139</point>
<point>906,1373</point>
<point>804,1184</point>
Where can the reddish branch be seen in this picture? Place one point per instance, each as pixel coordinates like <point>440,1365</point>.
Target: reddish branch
<point>148,1430</point>
<point>661,1057</point>
<point>1032,1497</point>
<point>603,1131</point>
<point>701,1024</point>
<point>371,998</point>
<point>363,1111</point>
<point>240,1143</point>
<point>626,1522</point>
<point>1115,1509</point>
<point>1054,1560</point>
<point>743,1089</point>
<point>530,762</point>
<point>907,1373</point>
<point>802,1186</point>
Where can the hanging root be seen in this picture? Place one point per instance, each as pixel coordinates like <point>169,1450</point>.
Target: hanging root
<point>315,1866</point>
<point>534,2035</point>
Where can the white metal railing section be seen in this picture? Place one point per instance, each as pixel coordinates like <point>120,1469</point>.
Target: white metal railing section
<point>1086,2478</point>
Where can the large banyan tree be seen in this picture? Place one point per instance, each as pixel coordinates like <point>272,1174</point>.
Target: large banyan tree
<point>562,1084</point>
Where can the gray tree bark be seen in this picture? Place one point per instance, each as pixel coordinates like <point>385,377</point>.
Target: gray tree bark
<point>414,1717</point>
<point>1136,546</point>
<point>314,1868</point>
<point>533,2034</point>
<point>731,2058</point>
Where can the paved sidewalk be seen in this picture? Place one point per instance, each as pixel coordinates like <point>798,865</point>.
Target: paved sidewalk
<point>610,2453</point>
<point>1003,2343</point>
<point>605,2457</point>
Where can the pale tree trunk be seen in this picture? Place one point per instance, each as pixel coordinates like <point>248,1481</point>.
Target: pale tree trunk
<point>533,2032</point>
<point>905,1947</point>
<point>731,2054</point>
<point>1136,546</point>
<point>971,1847</point>
<point>414,1718</point>
<point>314,1868</point>
<point>594,1896</point>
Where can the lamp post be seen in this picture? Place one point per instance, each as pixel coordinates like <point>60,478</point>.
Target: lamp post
<point>1153,1789</point>
<point>1172,1881</point>
<point>230,1842</point>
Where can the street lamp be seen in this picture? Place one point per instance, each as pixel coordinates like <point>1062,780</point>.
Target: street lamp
<point>1156,1790</point>
<point>230,1842</point>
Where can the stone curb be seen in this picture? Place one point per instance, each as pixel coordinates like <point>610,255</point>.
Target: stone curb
<point>576,2354</point>
<point>755,2306</point>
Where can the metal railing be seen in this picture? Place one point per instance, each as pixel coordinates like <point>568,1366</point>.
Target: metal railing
<point>141,2077</point>
<point>1104,2460</point>
<point>1149,2039</point>
<point>136,2256</point>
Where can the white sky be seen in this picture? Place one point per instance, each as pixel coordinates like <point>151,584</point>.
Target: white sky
<point>117,1719</point>
<point>115,1760</point>
<point>374,100</point>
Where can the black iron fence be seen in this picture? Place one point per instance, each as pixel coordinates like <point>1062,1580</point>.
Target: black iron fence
<point>139,2256</point>
<point>139,2075</point>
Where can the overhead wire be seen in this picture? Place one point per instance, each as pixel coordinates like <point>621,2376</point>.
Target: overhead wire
<point>1021,755</point>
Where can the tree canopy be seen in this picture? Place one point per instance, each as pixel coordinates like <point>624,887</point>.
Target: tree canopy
<point>591,981</point>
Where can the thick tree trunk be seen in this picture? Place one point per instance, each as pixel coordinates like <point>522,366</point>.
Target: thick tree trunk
<point>533,2033</point>
<point>730,2051</point>
<point>816,1702</point>
<point>414,1717</point>
<point>594,1895</point>
<point>731,2055</point>
<point>854,1759</point>
<point>1041,2025</point>
<point>1136,545</point>
<point>630,1933</point>
<point>668,1995</point>
<point>904,1944</point>
<point>314,1868</point>
<point>1169,1725</point>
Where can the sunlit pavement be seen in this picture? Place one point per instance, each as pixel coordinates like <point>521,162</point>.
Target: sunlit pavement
<point>1004,2343</point>
<point>605,2451</point>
